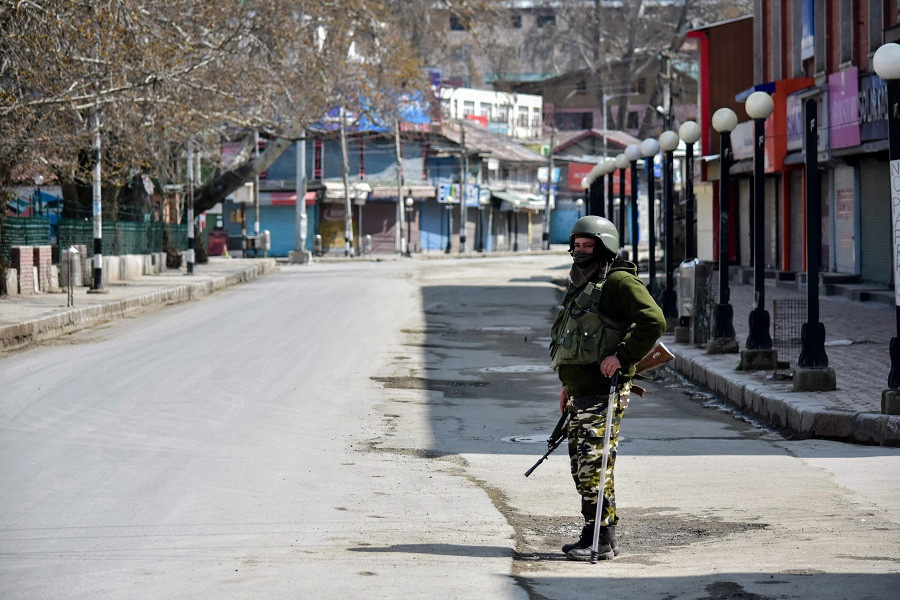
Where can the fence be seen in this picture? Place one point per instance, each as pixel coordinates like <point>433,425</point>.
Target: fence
<point>119,237</point>
<point>788,316</point>
<point>23,232</point>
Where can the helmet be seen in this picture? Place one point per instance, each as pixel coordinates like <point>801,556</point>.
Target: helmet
<point>598,228</point>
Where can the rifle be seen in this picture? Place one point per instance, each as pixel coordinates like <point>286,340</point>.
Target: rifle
<point>657,357</point>
<point>556,437</point>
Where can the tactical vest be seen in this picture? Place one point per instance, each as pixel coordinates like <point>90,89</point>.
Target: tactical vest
<point>581,334</point>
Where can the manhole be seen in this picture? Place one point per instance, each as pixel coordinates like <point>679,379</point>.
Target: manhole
<point>526,439</point>
<point>516,369</point>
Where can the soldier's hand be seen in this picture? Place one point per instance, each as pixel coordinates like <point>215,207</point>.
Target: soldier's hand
<point>610,365</point>
<point>563,400</point>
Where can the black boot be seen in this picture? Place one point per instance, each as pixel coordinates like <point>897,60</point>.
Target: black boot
<point>606,546</point>
<point>586,539</point>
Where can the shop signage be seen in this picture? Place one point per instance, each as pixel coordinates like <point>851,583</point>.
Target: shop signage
<point>843,108</point>
<point>873,124</point>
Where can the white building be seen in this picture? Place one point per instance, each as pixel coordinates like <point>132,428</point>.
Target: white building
<point>516,115</point>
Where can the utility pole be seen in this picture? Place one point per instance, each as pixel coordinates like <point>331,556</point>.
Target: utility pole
<point>97,203</point>
<point>190,206</point>
<point>348,217</point>
<point>300,254</point>
<point>399,241</point>
<point>255,194</point>
<point>463,169</point>
<point>545,234</point>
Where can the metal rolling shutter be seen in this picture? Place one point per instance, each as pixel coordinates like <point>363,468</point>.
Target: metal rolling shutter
<point>875,222</point>
<point>797,218</point>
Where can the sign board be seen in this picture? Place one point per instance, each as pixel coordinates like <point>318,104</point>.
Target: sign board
<point>843,108</point>
<point>895,217</point>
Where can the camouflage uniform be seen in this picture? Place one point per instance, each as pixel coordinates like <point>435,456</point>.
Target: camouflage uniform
<point>587,426</point>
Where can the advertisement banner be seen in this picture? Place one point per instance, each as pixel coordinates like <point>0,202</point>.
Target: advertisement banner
<point>843,108</point>
<point>577,172</point>
<point>873,123</point>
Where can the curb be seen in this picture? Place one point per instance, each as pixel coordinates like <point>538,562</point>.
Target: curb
<point>777,406</point>
<point>72,319</point>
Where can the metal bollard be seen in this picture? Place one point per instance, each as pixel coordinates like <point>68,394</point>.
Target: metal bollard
<point>317,245</point>
<point>367,248</point>
<point>73,264</point>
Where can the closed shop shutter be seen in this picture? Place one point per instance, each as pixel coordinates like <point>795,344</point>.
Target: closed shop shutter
<point>379,220</point>
<point>772,226</point>
<point>845,219</point>
<point>797,218</point>
<point>875,223</point>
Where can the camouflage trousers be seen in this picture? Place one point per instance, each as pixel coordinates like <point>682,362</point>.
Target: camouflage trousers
<point>587,426</point>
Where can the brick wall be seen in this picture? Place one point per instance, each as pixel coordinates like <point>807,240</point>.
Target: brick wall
<point>43,260</point>
<point>22,260</point>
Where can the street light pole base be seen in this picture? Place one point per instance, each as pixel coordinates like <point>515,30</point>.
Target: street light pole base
<point>759,338</point>
<point>759,360</point>
<point>724,320</point>
<point>670,303</point>
<point>722,346</point>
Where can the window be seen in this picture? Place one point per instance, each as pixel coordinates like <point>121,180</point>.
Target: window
<point>546,20</point>
<point>581,87</point>
<point>640,86</point>
<point>484,108</point>
<point>517,21</point>
<point>633,120</point>
<point>535,117</point>
<point>468,107</point>
<point>456,24</point>
<point>522,119</point>
<point>503,113</point>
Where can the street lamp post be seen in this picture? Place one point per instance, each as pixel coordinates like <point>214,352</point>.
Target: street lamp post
<point>409,210</point>
<point>650,148</point>
<point>689,132</point>
<point>38,199</point>
<point>724,121</point>
<point>579,204</point>
<point>668,142</point>
<point>622,166</point>
<point>633,154</point>
<point>887,65</point>
<point>759,106</point>
<point>609,169</point>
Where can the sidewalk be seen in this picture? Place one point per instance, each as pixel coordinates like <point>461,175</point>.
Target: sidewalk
<point>28,318</point>
<point>857,335</point>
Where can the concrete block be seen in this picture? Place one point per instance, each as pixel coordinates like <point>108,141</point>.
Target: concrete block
<point>833,424</point>
<point>22,260</point>
<point>868,428</point>
<point>42,258</point>
<point>12,281</point>
<point>890,435</point>
<point>759,360</point>
<point>132,266</point>
<point>111,269</point>
<point>814,380</point>
<point>722,346</point>
<point>682,335</point>
<point>54,279</point>
<point>890,402</point>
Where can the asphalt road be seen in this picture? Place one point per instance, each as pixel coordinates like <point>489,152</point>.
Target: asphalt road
<point>361,430</point>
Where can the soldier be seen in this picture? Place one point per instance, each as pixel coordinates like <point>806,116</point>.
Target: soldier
<point>608,322</point>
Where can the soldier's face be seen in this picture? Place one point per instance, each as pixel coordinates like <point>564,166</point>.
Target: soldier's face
<point>584,245</point>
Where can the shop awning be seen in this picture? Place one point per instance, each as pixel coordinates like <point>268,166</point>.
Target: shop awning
<point>334,191</point>
<point>512,200</point>
<point>284,198</point>
<point>389,192</point>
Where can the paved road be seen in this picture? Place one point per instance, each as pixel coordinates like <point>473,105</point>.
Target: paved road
<point>350,430</point>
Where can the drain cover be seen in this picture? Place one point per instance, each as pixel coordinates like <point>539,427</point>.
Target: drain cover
<point>527,439</point>
<point>516,369</point>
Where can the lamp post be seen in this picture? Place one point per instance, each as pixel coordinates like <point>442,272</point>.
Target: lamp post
<point>759,106</point>
<point>608,169</point>
<point>650,148</point>
<point>38,200</point>
<point>668,141</point>
<point>409,209</point>
<point>887,65</point>
<point>579,204</point>
<point>622,166</point>
<point>633,154</point>
<point>724,121</point>
<point>689,132</point>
